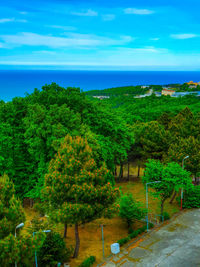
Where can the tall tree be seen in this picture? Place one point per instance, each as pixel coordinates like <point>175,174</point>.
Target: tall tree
<point>78,191</point>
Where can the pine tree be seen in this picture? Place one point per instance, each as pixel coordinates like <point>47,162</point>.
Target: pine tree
<point>78,191</point>
<point>14,249</point>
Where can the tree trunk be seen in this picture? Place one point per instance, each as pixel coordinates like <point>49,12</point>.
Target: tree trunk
<point>31,203</point>
<point>65,231</point>
<point>162,208</point>
<point>121,172</point>
<point>196,180</point>
<point>173,197</point>
<point>138,174</point>
<point>128,170</point>
<point>115,171</point>
<point>77,242</point>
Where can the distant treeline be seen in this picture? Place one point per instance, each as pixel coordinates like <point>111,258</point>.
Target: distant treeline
<point>125,90</point>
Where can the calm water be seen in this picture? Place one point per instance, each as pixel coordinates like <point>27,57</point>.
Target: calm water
<point>17,82</point>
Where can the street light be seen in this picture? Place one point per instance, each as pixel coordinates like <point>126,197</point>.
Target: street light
<point>45,231</point>
<point>182,188</point>
<point>17,227</point>
<point>147,201</point>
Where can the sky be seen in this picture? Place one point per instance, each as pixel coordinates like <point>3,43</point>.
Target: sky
<point>104,35</point>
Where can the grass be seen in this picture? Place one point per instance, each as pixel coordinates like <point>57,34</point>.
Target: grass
<point>114,229</point>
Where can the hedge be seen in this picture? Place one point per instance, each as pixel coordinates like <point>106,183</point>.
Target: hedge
<point>192,198</point>
<point>88,262</point>
<point>134,234</point>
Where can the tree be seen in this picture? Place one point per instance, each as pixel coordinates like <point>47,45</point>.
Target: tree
<point>186,147</point>
<point>78,191</point>
<point>10,208</point>
<point>53,250</point>
<point>130,210</point>
<point>151,141</point>
<point>11,214</point>
<point>171,177</point>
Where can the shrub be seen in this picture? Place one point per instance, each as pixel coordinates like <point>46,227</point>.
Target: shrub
<point>130,209</point>
<point>166,216</point>
<point>151,225</point>
<point>130,230</point>
<point>53,250</point>
<point>88,262</point>
<point>192,198</point>
<point>124,240</point>
<point>133,234</point>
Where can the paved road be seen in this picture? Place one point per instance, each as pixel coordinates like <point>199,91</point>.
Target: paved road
<point>173,245</point>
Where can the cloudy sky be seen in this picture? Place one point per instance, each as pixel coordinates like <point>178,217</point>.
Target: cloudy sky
<point>106,34</point>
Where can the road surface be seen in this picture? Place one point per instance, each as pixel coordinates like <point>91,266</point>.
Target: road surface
<point>176,244</point>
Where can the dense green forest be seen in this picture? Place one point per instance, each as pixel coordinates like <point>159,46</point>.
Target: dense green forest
<point>116,91</point>
<point>61,147</point>
<point>118,129</point>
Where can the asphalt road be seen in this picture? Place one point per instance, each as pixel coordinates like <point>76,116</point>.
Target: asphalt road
<point>176,244</point>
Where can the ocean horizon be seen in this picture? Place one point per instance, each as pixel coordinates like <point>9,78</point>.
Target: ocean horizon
<point>15,83</point>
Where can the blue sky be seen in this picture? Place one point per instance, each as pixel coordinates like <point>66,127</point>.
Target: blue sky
<point>106,34</point>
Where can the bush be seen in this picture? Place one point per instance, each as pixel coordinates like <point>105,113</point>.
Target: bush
<point>88,262</point>
<point>124,240</point>
<point>166,216</point>
<point>130,209</point>
<point>151,225</point>
<point>133,234</point>
<point>192,198</point>
<point>130,230</point>
<point>53,250</point>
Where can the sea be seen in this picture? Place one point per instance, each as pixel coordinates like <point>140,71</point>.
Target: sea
<point>15,83</point>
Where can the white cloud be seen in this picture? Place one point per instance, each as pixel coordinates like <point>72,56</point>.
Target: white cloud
<point>65,28</point>
<point>108,17</point>
<point>5,20</point>
<point>45,52</point>
<point>138,11</point>
<point>21,20</point>
<point>183,36</point>
<point>143,50</point>
<point>23,13</point>
<point>154,39</point>
<point>72,40</point>
<point>87,13</point>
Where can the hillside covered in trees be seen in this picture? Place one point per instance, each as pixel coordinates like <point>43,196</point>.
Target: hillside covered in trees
<point>62,148</point>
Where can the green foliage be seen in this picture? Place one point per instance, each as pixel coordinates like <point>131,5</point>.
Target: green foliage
<point>117,91</point>
<point>77,191</point>
<point>192,198</point>
<point>11,211</point>
<point>124,240</point>
<point>130,209</point>
<point>88,262</point>
<point>166,216</point>
<point>133,234</point>
<point>170,177</point>
<point>13,249</point>
<point>53,250</point>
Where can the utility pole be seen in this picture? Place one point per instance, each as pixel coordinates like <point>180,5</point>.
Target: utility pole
<point>182,188</point>
<point>102,235</point>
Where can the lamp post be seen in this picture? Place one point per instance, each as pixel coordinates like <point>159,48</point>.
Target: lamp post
<point>102,239</point>
<point>45,231</point>
<point>182,188</point>
<point>17,227</point>
<point>147,201</point>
